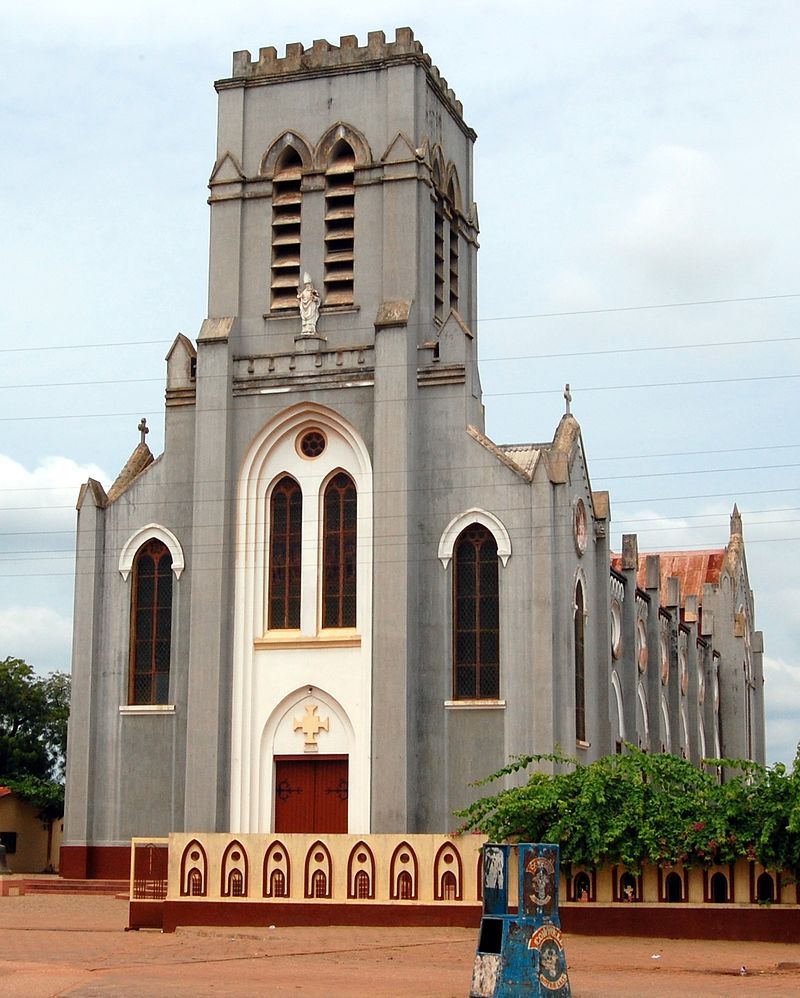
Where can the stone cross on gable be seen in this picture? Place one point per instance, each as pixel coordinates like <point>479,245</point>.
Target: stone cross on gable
<point>143,428</point>
<point>567,397</point>
<point>311,725</point>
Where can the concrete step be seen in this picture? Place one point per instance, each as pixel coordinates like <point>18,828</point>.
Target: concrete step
<point>55,885</point>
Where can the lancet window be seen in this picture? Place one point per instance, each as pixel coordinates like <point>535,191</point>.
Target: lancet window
<point>580,681</point>
<point>339,552</point>
<point>438,261</point>
<point>476,616</point>
<point>453,247</point>
<point>286,218</point>
<point>285,554</point>
<point>340,225</point>
<point>151,624</point>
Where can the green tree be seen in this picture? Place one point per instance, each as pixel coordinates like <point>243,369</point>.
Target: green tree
<point>33,730</point>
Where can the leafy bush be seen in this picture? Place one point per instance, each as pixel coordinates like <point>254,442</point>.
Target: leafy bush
<point>637,808</point>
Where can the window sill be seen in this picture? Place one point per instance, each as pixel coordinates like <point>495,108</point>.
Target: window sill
<point>147,709</point>
<point>475,704</point>
<point>582,744</point>
<point>346,638</point>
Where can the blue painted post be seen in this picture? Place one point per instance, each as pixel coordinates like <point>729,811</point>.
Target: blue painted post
<point>520,952</point>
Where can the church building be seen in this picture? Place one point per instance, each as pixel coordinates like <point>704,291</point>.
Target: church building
<point>333,601</point>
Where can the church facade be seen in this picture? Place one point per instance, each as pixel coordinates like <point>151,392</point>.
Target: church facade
<point>333,602</point>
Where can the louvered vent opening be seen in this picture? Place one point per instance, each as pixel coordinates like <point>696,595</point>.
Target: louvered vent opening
<point>438,262</point>
<point>454,263</point>
<point>340,204</point>
<point>286,206</point>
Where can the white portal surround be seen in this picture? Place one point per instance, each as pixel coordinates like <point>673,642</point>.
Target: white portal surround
<point>276,673</point>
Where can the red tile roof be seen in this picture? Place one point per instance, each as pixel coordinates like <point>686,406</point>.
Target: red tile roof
<point>693,568</point>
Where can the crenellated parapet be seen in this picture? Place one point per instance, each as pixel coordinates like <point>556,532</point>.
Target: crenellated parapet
<point>347,56</point>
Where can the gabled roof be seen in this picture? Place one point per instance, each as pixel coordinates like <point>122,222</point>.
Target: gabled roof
<point>524,456</point>
<point>140,459</point>
<point>694,569</point>
<point>511,455</point>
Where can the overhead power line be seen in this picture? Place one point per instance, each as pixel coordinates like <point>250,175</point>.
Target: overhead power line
<point>492,318</point>
<point>437,398</point>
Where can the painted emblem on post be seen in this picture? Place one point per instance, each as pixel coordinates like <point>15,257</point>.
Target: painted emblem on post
<point>552,965</point>
<point>539,880</point>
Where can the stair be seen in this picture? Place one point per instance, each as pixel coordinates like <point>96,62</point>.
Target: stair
<point>56,885</point>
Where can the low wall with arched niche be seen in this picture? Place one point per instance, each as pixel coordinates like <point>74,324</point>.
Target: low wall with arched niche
<point>240,879</point>
<point>313,879</point>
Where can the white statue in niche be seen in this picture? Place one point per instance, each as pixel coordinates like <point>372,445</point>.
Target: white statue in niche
<point>308,298</point>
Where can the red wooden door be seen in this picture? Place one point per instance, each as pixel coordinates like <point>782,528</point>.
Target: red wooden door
<point>311,794</point>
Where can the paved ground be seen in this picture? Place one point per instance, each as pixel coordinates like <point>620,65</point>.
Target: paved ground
<point>77,946</point>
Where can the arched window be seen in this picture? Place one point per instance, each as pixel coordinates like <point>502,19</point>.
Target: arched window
<point>449,886</point>
<point>719,888</point>
<point>580,684</point>
<point>235,884</point>
<point>340,201</point>
<point>765,889</point>
<point>286,211</point>
<point>285,553</point>
<point>438,259</point>
<point>151,624</point>
<point>405,886</point>
<point>196,883</point>
<point>451,197</point>
<point>319,885</point>
<point>628,887</point>
<point>339,553</point>
<point>583,887</point>
<point>673,888</point>
<point>362,885</point>
<point>278,884</point>
<point>476,616</point>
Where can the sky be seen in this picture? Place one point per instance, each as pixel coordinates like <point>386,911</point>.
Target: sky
<point>636,180</point>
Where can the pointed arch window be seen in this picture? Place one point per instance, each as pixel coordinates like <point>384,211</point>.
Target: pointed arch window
<point>339,552</point>
<point>580,682</point>
<point>285,554</point>
<point>286,216</point>
<point>151,625</point>
<point>476,615</point>
<point>451,197</point>
<point>340,210</point>
<point>438,259</point>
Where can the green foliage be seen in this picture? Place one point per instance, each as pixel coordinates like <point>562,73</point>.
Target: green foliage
<point>636,808</point>
<point>33,726</point>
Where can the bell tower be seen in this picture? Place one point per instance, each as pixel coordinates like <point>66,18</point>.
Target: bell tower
<point>351,165</point>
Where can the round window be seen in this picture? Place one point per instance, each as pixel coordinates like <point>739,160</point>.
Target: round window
<point>312,443</point>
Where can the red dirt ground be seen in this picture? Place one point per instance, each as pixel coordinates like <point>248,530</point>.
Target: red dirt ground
<point>77,946</point>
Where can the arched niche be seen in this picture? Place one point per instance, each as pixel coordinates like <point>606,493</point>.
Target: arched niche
<point>337,133</point>
<point>289,140</point>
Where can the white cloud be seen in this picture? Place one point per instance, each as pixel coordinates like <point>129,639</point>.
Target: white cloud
<point>42,499</point>
<point>572,290</point>
<point>782,695</point>
<point>657,531</point>
<point>38,635</point>
<point>37,558</point>
<point>686,230</point>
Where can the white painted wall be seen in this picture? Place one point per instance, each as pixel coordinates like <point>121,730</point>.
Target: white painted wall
<point>275,673</point>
